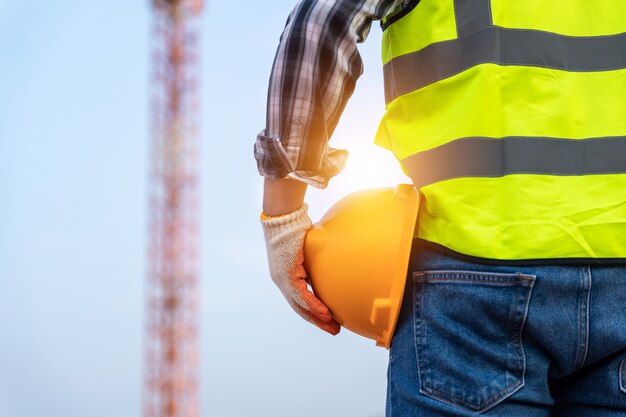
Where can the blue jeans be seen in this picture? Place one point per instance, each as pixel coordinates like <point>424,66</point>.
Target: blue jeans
<point>527,341</point>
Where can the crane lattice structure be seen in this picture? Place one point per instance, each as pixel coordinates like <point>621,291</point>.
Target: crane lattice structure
<point>171,367</point>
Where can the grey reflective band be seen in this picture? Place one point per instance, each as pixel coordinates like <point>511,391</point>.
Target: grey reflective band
<point>437,61</point>
<point>471,15</point>
<point>488,157</point>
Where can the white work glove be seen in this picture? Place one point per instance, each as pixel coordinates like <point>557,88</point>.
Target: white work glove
<point>284,239</point>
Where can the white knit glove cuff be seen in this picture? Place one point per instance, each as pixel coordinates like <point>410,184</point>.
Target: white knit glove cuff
<point>296,219</point>
<point>284,238</point>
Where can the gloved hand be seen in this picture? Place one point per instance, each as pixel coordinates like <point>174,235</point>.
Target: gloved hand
<point>284,239</point>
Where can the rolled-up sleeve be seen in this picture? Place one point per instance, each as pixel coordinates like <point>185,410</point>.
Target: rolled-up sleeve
<point>314,74</point>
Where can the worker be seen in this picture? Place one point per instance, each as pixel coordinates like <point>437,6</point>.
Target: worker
<point>510,119</point>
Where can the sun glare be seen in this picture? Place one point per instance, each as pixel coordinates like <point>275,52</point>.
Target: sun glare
<point>368,166</point>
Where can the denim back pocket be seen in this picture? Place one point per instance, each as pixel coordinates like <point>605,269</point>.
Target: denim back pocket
<point>468,335</point>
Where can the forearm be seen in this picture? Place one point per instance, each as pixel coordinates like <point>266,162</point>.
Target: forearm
<point>282,196</point>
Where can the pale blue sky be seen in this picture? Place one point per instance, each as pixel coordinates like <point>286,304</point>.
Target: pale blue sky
<point>73,174</point>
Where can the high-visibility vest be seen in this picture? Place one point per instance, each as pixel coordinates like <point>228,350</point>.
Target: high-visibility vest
<point>510,117</point>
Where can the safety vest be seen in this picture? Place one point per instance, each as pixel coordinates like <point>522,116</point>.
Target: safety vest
<point>510,117</point>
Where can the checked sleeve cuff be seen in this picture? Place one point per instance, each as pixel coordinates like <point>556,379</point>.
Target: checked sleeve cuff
<point>275,162</point>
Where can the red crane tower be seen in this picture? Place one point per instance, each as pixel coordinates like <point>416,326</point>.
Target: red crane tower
<point>172,322</point>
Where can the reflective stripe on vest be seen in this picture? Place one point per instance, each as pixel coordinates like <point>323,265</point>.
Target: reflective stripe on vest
<point>500,46</point>
<point>512,121</point>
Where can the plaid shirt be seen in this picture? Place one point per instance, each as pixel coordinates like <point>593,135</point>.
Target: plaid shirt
<point>314,73</point>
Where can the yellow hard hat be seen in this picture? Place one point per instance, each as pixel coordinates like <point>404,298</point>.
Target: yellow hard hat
<point>357,258</point>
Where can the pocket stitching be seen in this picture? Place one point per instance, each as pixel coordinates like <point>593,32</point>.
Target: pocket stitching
<point>465,276</point>
<point>493,399</point>
<point>497,279</point>
<point>516,337</point>
<point>418,346</point>
<point>622,376</point>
